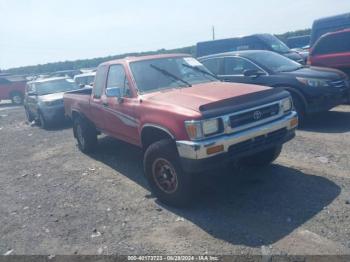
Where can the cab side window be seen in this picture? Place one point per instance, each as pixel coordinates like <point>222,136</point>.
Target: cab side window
<point>237,66</point>
<point>117,78</point>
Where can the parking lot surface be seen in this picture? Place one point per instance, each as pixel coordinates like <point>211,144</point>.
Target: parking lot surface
<point>56,200</point>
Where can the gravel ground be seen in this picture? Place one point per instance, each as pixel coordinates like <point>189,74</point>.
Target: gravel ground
<point>56,200</point>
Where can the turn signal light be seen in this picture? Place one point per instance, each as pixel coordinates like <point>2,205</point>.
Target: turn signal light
<point>215,149</point>
<point>294,122</point>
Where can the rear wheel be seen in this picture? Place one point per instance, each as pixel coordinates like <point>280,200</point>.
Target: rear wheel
<point>165,176</point>
<point>86,135</point>
<point>17,98</point>
<point>263,158</point>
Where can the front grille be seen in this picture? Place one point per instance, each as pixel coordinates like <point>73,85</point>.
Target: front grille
<point>254,115</point>
<point>270,138</point>
<point>338,84</point>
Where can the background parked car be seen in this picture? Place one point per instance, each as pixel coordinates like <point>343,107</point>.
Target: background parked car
<point>332,50</point>
<point>12,89</point>
<point>313,89</point>
<point>44,99</point>
<point>85,79</point>
<point>328,24</point>
<point>252,42</point>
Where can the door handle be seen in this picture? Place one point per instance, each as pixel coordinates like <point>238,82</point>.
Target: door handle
<point>105,104</point>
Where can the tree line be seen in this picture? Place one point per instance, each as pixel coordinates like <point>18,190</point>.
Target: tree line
<point>94,62</point>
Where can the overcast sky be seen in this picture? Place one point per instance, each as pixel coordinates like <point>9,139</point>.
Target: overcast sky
<point>40,31</point>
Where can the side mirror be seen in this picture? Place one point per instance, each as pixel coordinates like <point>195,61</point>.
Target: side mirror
<point>114,92</point>
<point>253,73</point>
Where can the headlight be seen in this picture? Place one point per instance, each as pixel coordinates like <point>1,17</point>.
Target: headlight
<point>210,126</point>
<point>198,129</point>
<point>287,105</point>
<point>313,82</point>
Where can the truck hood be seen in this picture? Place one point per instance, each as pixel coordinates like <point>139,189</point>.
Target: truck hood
<point>198,96</point>
<point>52,97</point>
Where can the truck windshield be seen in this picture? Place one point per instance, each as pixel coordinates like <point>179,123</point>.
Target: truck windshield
<point>274,62</point>
<point>275,44</point>
<point>56,86</point>
<point>175,72</point>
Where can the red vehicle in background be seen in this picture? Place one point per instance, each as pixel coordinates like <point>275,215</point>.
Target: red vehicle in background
<point>332,50</point>
<point>12,88</point>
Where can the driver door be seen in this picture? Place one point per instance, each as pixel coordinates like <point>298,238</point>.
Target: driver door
<point>120,121</point>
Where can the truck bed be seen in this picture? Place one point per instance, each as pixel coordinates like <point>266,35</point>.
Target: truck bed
<point>77,100</point>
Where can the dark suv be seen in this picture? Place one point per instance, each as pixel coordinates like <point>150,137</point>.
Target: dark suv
<point>252,42</point>
<point>313,89</point>
<point>332,50</point>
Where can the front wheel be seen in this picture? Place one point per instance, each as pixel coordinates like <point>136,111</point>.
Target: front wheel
<point>165,176</point>
<point>263,158</point>
<point>86,135</point>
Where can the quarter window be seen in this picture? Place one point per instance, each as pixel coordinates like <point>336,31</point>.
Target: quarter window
<point>237,66</point>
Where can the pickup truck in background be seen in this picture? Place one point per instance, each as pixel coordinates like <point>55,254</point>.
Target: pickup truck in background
<point>184,119</point>
<point>12,90</point>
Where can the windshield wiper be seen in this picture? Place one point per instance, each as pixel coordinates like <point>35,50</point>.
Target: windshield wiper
<point>202,71</point>
<point>167,73</point>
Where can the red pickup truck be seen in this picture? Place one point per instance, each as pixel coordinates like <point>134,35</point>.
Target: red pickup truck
<point>183,118</point>
<point>12,90</point>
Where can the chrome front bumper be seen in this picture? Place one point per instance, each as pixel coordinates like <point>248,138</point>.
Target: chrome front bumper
<point>197,150</point>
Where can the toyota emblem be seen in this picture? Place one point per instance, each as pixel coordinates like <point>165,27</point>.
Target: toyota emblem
<point>257,115</point>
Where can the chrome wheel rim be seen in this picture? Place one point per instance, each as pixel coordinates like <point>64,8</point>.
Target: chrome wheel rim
<point>165,175</point>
